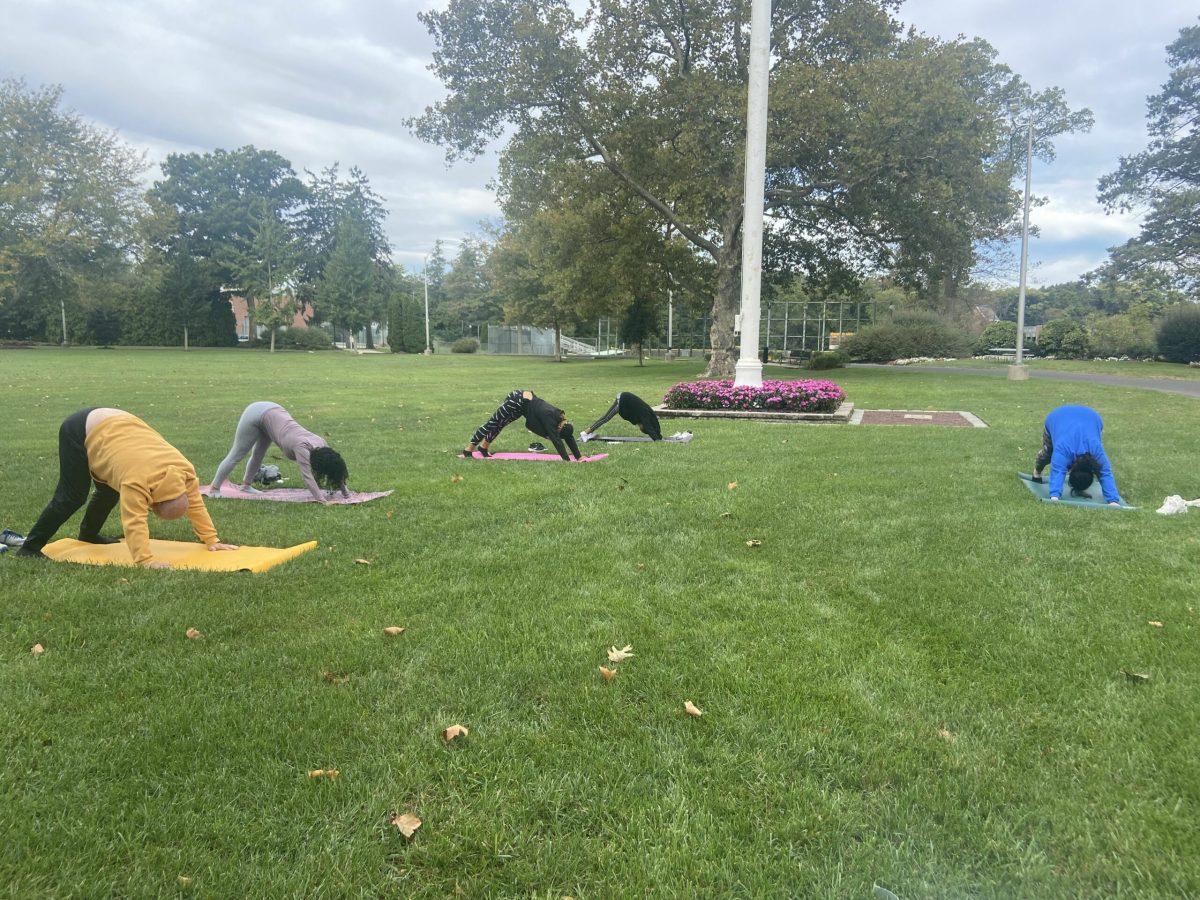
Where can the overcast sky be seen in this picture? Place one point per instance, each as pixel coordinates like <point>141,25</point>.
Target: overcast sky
<point>330,81</point>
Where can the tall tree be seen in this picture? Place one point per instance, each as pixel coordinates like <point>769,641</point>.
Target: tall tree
<point>886,147</point>
<point>265,266</point>
<point>69,202</point>
<point>638,325</point>
<point>345,288</point>
<point>1164,179</point>
<point>468,300</point>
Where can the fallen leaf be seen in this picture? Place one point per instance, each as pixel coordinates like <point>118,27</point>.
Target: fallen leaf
<point>389,513</point>
<point>616,656</point>
<point>407,824</point>
<point>608,674</point>
<point>948,736</point>
<point>363,562</point>
<point>733,485</point>
<point>455,479</point>
<point>691,709</point>
<point>641,566</point>
<point>1138,677</point>
<point>194,634</point>
<point>37,649</point>
<point>126,581</point>
<point>454,731</point>
<point>393,630</point>
<point>335,677</point>
<point>725,515</point>
<point>753,543</point>
<point>324,773</point>
<point>1155,624</point>
<point>184,881</point>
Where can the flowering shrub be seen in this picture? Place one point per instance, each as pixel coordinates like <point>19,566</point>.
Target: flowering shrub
<point>788,396</point>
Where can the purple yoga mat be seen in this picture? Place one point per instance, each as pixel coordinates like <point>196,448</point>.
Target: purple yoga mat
<point>542,457</point>
<point>293,495</point>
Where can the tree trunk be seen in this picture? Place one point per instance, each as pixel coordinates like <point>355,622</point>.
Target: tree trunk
<point>726,304</point>
<point>728,299</point>
<point>370,338</point>
<point>641,361</point>
<point>557,342</point>
<point>185,337</point>
<point>273,338</point>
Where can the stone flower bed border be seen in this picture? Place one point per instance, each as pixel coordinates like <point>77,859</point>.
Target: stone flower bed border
<point>840,416</point>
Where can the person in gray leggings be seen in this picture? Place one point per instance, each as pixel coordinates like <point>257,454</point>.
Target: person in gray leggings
<point>265,423</point>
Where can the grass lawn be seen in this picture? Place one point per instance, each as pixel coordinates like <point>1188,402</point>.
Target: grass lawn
<point>914,681</point>
<point>1133,368</point>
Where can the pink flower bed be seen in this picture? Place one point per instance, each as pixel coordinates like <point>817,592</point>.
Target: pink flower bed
<point>788,396</point>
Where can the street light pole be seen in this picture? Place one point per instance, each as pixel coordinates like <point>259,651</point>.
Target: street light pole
<point>749,366</point>
<point>425,269</point>
<point>1018,371</point>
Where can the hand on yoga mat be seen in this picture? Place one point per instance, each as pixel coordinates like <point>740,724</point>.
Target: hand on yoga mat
<point>223,547</point>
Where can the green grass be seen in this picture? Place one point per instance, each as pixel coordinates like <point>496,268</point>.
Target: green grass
<point>1133,368</point>
<point>906,583</point>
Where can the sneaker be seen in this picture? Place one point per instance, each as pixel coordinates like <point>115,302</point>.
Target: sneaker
<point>537,447</point>
<point>683,437</point>
<point>11,538</point>
<point>584,437</point>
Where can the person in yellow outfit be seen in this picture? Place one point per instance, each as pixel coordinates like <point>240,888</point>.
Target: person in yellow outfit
<point>130,463</point>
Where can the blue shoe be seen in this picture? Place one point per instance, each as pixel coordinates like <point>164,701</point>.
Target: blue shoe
<point>11,538</point>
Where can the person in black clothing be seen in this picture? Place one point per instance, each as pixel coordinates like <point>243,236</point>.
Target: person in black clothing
<point>634,410</point>
<point>541,418</point>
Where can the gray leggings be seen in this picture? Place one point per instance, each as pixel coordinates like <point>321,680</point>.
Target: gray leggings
<point>250,435</point>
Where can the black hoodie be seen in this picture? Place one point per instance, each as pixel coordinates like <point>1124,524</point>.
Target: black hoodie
<point>636,411</point>
<point>542,419</point>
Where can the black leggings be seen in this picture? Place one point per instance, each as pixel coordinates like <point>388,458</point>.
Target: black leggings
<point>74,478</point>
<point>612,411</point>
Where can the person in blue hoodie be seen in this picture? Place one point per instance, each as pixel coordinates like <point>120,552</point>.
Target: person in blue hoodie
<point>1071,446</point>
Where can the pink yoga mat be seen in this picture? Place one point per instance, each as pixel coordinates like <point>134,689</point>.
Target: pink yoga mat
<point>542,457</point>
<point>292,495</point>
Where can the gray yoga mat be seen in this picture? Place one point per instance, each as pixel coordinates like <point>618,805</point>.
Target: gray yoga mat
<point>1041,490</point>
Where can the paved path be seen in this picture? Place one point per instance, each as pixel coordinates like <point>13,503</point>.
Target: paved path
<point>1186,387</point>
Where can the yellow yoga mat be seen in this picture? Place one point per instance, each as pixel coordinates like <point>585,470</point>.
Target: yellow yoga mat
<point>180,554</point>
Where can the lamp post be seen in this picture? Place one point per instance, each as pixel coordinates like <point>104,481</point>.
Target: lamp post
<point>425,272</point>
<point>1018,371</point>
<point>749,366</point>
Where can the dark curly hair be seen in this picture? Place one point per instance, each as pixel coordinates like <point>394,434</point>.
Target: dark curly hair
<point>1082,473</point>
<point>329,468</point>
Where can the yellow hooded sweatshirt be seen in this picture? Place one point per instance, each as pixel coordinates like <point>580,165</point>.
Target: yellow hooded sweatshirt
<point>135,461</point>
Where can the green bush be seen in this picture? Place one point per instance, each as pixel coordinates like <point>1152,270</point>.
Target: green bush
<point>905,335</point>
<point>826,359</point>
<point>1064,338</point>
<point>1179,335</point>
<point>997,334</point>
<point>465,345</point>
<point>304,339</point>
<point>1123,335</point>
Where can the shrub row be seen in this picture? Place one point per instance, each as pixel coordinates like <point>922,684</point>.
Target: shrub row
<point>907,334</point>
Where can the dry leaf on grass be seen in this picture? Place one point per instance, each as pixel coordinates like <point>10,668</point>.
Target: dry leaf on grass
<point>453,732</point>
<point>724,515</point>
<point>335,677</point>
<point>363,562</point>
<point>1155,624</point>
<point>184,881</point>
<point>753,543</point>
<point>406,823</point>
<point>691,709</point>
<point>324,773</point>
<point>193,634</point>
<point>733,485</point>
<point>37,649</point>
<point>393,630</point>
<point>616,656</point>
<point>608,674</point>
<point>389,513</point>
<point>640,566</point>
<point>455,478</point>
<point>948,736</point>
<point>1138,677</point>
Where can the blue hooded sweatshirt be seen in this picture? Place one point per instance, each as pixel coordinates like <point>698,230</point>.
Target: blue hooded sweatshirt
<point>1074,431</point>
